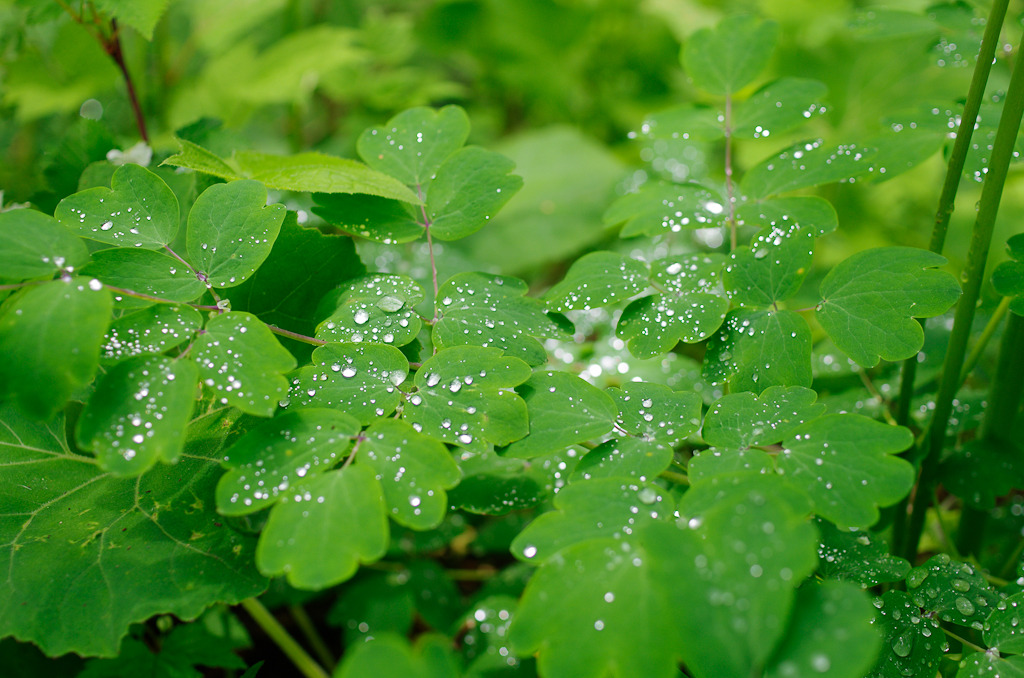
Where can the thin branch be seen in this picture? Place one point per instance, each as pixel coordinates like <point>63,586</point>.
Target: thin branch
<point>277,633</point>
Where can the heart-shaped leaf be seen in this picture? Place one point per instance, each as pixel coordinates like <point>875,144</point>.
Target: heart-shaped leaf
<point>34,245</point>
<point>151,330</point>
<point>469,188</point>
<point>412,145</point>
<point>724,59</point>
<point>758,349</point>
<point>377,308</point>
<point>806,164</point>
<point>597,279</point>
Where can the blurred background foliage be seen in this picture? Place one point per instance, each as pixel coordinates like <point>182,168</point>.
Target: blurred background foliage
<point>558,85</point>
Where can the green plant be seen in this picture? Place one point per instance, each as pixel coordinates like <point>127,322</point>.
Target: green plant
<point>202,398</point>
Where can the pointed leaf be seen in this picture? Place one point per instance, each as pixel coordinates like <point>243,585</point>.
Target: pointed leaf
<point>243,363</point>
<point>745,420</point>
<point>386,221</point>
<point>724,59</point>
<point>377,308</point>
<point>139,414</point>
<point>414,471</point>
<point>34,245</point>
<point>152,330</point>
<point>360,379</point>
<point>145,271</point>
<point>194,157</point>
<point>656,412</point>
<point>231,231</point>
<point>50,338</point>
<point>563,410</point>
<point>124,549</point>
<point>138,210</point>
<point>804,165</point>
<point>1008,277</point>
<point>870,300</point>
<point>632,458</point>
<point>489,310</point>
<point>469,188</point>
<point>857,556</point>
<point>322,529</point>
<point>772,268</point>
<point>912,643</point>
<point>778,107</point>
<point>659,208</point>
<point>463,396</point>
<point>140,15</point>
<point>807,212</point>
<point>597,279</point>
<point>758,349</point>
<point>412,145</point>
<point>268,461</point>
<point>846,465</point>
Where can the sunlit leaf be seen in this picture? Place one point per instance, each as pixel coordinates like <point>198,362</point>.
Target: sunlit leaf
<point>759,349</point>
<point>659,208</point>
<point>804,165</point>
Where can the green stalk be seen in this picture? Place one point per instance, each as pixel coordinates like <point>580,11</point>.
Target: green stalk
<point>266,621</point>
<point>977,257</point>
<point>308,628</point>
<point>1003,403</point>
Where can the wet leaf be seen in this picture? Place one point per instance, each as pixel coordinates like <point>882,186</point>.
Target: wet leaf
<point>846,465</point>
<point>494,485</point>
<point>806,164</point>
<point>656,412</point>
<point>138,210</point>
<point>243,363</point>
<point>857,556</point>
<point>586,510</point>
<point>659,208</point>
<point>772,268</point>
<point>270,460</point>
<point>954,591</point>
<point>376,308</point>
<point>597,279</point>
<point>231,231</point>
<point>139,414</point>
<point>778,107</point>
<point>690,122</point>
<point>759,349</point>
<point>414,471</point>
<point>744,420</point>
<point>717,461</point>
<point>123,549</point>
<point>808,212</point>
<point>386,221</point>
<point>360,379</point>
<point>152,330</point>
<point>912,643</point>
<point>633,458</point>
<point>412,145</point>
<point>323,528</point>
<point>486,646</point>
<point>1008,277</point>
<point>153,273</point>
<point>463,395</point>
<point>478,309</point>
<point>34,245</point>
<point>563,409</point>
<point>980,471</point>
<point>724,59</point>
<point>987,664</point>
<point>870,300</point>
<point>469,188</point>
<point>388,656</point>
<point>829,634</point>
<point>50,338</point>
<point>1003,629</point>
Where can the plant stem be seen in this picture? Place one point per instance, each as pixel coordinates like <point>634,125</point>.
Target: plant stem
<point>730,206</point>
<point>986,336</point>
<point>282,639</point>
<point>296,336</point>
<point>320,648</point>
<point>677,478</point>
<point>977,257</point>
<point>113,48</point>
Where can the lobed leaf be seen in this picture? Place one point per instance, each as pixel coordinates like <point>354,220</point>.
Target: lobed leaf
<point>34,245</point>
<point>389,655</point>
<point>718,461</point>
<point>153,273</point>
<point>772,268</point>
<point>597,279</point>
<point>1003,629</point>
<point>633,458</point>
<point>759,349</point>
<point>724,59</point>
<point>659,208</point>
<point>742,420</point>
<point>656,412</point>
<point>368,216</point>
<point>778,107</point>
<point>155,329</point>
<point>469,188</point>
<point>804,165</point>
<point>809,212</point>
<point>912,643</point>
<point>377,308</point>
<point>955,592</point>
<point>412,145</point>
<point>857,556</point>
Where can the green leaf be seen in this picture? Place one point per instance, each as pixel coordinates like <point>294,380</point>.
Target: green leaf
<point>489,310</point>
<point>1003,629</point>
<point>633,458</point>
<point>379,219</point>
<point>857,556</point>
<point>656,412</point>
<point>986,664</point>
<point>287,295</point>
<point>955,591</point>
<point>846,465</point>
<point>980,470</point>
<point>147,272</point>
<point>270,460</point>
<point>414,471</point>
<point>412,145</point>
<point>124,549</point>
<point>829,634</point>
<point>724,59</point>
<point>374,603</point>
<point>377,308</point>
<point>717,461</point>
<point>806,212</point>
<point>884,24</point>
<point>142,15</point>
<point>772,268</point>
<point>463,396</point>
<point>469,188</point>
<point>778,107</point>
<point>138,210</point>
<point>690,122</point>
<point>231,231</point>
<point>870,300</point>
<point>360,379</point>
<point>152,330</point>
<point>485,645</point>
<point>389,656</point>
<point>1008,277</point>
<point>494,485</point>
<point>194,157</point>
<point>660,208</point>
<point>50,338</point>
<point>692,307</point>
<point>323,528</point>
<point>744,420</point>
<point>806,164</point>
<point>912,643</point>
<point>591,509</point>
<point>34,245</point>
<point>139,414</point>
<point>563,410</point>
<point>597,279</point>
<point>759,349</point>
<point>243,363</point>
